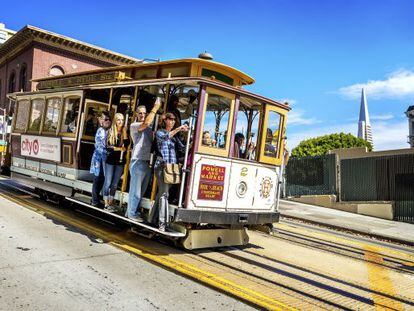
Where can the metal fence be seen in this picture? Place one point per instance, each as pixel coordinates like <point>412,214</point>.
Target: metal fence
<point>384,178</point>
<point>388,178</point>
<point>311,176</point>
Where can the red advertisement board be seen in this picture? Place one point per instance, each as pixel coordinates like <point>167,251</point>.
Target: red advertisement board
<point>211,186</point>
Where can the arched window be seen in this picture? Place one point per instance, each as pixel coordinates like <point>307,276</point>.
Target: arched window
<point>23,78</point>
<point>56,71</point>
<point>12,82</point>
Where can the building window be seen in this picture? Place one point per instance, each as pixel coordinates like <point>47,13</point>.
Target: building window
<point>12,82</point>
<point>56,71</point>
<point>23,78</point>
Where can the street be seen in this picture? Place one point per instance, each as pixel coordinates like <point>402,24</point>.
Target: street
<point>46,265</point>
<point>64,259</point>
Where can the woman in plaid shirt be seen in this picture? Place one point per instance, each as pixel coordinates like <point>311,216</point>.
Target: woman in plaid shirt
<point>167,144</point>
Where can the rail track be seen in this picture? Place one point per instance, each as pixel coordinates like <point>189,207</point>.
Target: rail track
<point>298,267</point>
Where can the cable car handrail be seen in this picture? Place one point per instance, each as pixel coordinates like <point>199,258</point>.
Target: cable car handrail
<point>184,170</point>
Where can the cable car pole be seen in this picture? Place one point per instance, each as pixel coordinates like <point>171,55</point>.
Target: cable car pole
<point>128,155</point>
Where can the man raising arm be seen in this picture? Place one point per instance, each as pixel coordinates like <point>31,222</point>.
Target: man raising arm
<point>140,172</point>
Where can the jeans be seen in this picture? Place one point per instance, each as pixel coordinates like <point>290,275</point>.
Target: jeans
<point>112,175</point>
<point>98,182</point>
<point>160,208</point>
<point>140,173</point>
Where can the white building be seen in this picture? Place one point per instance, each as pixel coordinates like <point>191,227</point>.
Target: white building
<point>5,33</point>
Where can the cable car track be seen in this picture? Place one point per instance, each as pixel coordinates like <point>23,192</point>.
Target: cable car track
<point>255,273</point>
<point>353,252</point>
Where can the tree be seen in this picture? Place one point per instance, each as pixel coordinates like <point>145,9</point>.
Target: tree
<point>321,145</point>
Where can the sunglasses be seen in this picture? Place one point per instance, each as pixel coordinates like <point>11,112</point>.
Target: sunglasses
<point>172,119</point>
<point>142,113</point>
<point>106,119</point>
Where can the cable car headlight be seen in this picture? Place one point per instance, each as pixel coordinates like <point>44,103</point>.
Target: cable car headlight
<point>241,189</point>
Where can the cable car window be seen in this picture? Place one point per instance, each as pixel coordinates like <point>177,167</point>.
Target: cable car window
<point>52,114</point>
<point>92,112</point>
<point>217,75</point>
<point>247,129</point>
<point>272,135</point>
<point>182,102</point>
<point>70,115</point>
<point>216,121</point>
<point>22,116</point>
<point>38,107</point>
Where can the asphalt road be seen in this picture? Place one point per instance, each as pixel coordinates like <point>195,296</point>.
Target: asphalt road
<point>49,266</point>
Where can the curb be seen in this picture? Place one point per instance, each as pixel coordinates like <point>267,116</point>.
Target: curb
<point>342,228</point>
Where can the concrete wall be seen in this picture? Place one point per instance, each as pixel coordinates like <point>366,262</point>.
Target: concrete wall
<point>320,200</point>
<point>384,210</point>
<point>362,152</point>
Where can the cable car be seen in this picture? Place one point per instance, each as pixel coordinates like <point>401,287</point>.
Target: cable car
<point>234,149</point>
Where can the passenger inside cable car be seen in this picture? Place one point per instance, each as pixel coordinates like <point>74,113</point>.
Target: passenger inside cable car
<point>238,145</point>
<point>207,140</point>
<point>91,122</point>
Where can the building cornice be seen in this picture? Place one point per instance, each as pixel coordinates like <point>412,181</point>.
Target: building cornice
<point>30,34</point>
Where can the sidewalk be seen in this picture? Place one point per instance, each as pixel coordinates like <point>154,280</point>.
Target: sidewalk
<point>387,229</point>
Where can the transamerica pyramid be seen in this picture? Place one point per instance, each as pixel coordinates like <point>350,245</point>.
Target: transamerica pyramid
<point>364,125</point>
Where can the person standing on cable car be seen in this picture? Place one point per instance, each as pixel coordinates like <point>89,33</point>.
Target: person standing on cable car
<point>140,172</point>
<point>99,157</point>
<point>117,143</point>
<point>167,145</point>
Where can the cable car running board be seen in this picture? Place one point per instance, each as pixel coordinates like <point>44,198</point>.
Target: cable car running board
<point>171,234</point>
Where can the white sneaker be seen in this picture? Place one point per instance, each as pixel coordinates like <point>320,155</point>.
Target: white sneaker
<point>111,209</point>
<point>136,218</point>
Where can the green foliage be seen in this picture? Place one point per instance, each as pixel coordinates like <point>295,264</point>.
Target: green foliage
<point>321,145</point>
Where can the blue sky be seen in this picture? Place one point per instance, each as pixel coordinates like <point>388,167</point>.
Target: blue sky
<point>316,54</point>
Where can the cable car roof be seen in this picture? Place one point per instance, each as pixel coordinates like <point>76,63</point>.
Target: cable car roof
<point>188,67</point>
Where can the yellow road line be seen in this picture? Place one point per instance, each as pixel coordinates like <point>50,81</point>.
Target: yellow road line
<point>191,271</point>
<point>210,279</point>
<point>379,279</point>
<point>331,238</point>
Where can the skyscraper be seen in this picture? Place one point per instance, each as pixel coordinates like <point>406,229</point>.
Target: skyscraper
<point>410,115</point>
<point>364,125</point>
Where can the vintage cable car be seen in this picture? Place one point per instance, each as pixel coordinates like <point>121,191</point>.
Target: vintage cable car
<point>234,152</point>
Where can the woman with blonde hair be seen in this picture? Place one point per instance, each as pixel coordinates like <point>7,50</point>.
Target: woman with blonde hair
<point>116,146</point>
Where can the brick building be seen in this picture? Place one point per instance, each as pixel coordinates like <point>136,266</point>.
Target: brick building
<point>33,53</point>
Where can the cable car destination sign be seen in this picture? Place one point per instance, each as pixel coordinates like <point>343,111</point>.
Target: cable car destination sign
<point>211,186</point>
<point>91,78</point>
